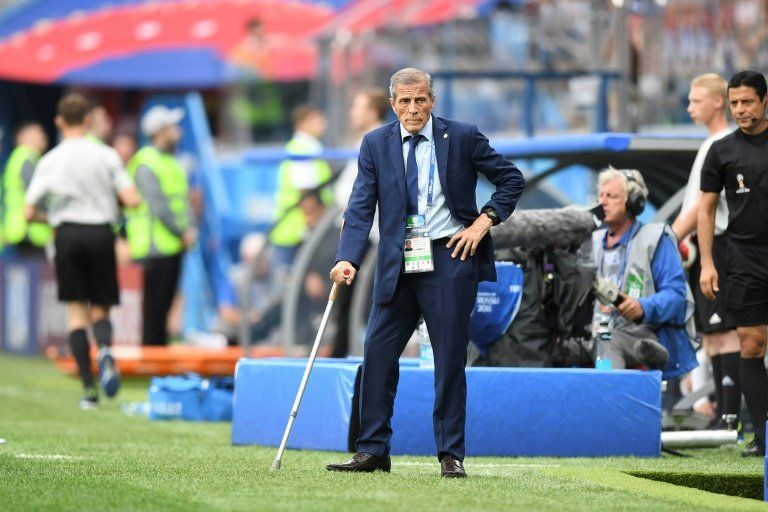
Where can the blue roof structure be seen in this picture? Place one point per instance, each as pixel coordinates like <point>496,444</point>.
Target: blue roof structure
<point>565,144</point>
<point>525,147</point>
<point>155,69</point>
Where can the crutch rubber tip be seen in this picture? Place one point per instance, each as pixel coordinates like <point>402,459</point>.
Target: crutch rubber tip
<point>275,465</point>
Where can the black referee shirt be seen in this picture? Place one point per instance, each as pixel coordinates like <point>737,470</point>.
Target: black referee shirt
<point>739,162</point>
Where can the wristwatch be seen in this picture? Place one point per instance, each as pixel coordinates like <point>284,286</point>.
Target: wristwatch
<point>491,213</point>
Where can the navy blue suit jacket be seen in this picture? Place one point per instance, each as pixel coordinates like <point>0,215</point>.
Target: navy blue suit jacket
<point>461,151</point>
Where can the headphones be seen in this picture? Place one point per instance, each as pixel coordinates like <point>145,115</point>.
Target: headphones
<point>636,195</point>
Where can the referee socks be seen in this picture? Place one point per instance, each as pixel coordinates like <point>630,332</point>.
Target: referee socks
<point>102,331</point>
<point>754,384</point>
<point>78,344</point>
<point>731,382</point>
<point>717,374</point>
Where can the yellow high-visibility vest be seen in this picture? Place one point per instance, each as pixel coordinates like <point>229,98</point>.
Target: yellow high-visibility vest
<point>289,232</point>
<point>144,229</point>
<point>15,227</point>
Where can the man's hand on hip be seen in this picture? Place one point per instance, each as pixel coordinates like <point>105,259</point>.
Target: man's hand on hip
<point>343,273</point>
<point>708,280</point>
<point>469,238</point>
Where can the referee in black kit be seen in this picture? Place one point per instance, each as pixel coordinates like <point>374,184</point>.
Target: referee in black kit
<point>739,163</point>
<point>81,182</point>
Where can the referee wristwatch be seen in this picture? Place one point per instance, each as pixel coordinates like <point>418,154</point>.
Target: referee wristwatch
<point>491,213</point>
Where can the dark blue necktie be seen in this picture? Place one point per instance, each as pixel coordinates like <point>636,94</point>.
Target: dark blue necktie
<point>412,176</point>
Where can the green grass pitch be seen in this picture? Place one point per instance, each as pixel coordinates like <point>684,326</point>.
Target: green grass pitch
<point>60,458</point>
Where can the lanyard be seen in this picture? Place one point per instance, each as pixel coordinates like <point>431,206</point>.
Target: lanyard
<point>431,183</point>
<point>623,266</point>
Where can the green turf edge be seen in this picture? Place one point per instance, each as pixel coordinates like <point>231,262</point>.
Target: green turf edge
<point>612,478</point>
<point>190,462</point>
<point>741,485</point>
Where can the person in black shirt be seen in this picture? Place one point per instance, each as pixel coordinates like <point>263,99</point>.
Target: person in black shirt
<point>739,163</point>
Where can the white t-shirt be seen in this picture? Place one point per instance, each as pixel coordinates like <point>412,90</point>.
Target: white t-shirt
<point>342,189</point>
<point>693,188</point>
<point>81,179</point>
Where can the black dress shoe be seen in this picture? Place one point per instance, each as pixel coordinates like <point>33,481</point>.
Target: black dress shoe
<point>363,463</point>
<point>451,467</point>
<point>755,448</point>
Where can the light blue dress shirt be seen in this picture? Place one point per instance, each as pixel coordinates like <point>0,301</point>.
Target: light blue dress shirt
<point>438,218</point>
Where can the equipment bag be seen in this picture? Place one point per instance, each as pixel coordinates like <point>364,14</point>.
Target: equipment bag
<point>217,405</point>
<point>190,397</point>
<point>496,305</point>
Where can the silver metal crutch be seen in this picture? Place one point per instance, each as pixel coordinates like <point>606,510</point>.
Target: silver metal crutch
<point>305,378</point>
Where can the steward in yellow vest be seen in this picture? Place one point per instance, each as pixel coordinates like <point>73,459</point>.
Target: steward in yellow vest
<point>162,227</point>
<point>31,143</point>
<point>296,175</point>
<point>157,226</point>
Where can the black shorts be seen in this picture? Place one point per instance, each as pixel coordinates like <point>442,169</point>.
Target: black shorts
<point>86,267</point>
<point>712,315</point>
<point>748,283</point>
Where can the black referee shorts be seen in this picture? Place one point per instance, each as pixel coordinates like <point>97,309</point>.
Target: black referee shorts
<point>712,315</point>
<point>86,266</point>
<point>748,283</point>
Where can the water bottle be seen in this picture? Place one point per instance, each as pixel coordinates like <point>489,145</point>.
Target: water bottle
<point>604,336</point>
<point>426,357</point>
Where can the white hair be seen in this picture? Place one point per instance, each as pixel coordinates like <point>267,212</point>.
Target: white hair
<point>410,76</point>
<point>631,180</point>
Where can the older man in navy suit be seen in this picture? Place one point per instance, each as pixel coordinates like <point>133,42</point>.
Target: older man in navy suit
<point>422,172</point>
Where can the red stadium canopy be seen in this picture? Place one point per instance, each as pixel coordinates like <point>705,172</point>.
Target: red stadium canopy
<point>193,43</point>
<point>364,15</point>
<point>52,50</point>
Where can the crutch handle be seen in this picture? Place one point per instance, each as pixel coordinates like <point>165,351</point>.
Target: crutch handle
<point>335,288</point>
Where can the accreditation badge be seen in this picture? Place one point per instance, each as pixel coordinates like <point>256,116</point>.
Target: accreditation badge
<point>417,249</point>
<point>634,285</point>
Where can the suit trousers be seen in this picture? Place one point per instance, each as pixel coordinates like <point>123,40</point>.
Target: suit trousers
<point>444,297</point>
<point>161,279</point>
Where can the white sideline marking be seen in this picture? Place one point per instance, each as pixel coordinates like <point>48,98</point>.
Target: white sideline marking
<point>484,465</point>
<point>52,456</point>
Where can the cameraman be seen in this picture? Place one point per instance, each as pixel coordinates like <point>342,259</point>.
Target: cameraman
<point>643,262</point>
